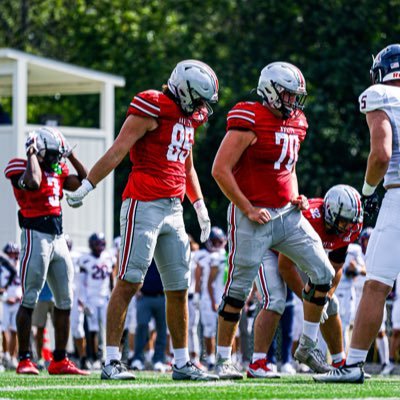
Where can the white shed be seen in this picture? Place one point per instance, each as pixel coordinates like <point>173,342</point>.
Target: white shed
<point>23,75</point>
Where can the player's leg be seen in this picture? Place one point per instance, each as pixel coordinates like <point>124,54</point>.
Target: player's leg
<point>382,258</point>
<point>247,247</point>
<point>332,332</point>
<point>272,288</point>
<point>35,258</point>
<point>172,256</point>
<point>303,245</point>
<point>139,222</point>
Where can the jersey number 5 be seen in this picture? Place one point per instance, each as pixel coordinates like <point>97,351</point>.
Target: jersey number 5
<point>290,148</point>
<point>181,143</point>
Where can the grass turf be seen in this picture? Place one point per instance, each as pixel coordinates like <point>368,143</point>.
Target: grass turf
<point>161,386</point>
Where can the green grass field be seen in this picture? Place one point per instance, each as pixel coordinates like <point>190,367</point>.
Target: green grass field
<point>160,386</point>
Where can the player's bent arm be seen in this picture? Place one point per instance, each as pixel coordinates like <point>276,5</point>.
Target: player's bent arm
<point>338,267</point>
<point>193,189</point>
<point>133,129</point>
<point>231,149</point>
<point>32,177</point>
<point>73,181</point>
<point>290,275</point>
<point>381,146</point>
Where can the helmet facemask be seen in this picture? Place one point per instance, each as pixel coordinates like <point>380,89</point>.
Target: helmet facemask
<point>290,102</point>
<point>194,86</point>
<point>282,87</point>
<point>343,213</point>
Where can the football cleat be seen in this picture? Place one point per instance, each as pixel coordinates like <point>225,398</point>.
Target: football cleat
<point>27,367</point>
<point>65,367</point>
<point>225,369</point>
<point>308,353</point>
<point>347,374</point>
<point>116,371</point>
<point>189,372</point>
<point>288,369</point>
<point>260,369</point>
<point>387,369</point>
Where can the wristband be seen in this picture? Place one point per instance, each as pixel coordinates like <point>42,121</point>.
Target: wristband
<point>367,189</point>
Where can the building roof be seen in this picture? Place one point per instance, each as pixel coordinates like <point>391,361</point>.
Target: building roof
<point>49,77</point>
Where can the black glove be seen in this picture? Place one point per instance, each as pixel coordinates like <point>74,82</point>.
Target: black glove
<point>370,205</point>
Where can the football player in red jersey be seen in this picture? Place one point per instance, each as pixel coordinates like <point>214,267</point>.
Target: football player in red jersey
<point>255,168</point>
<point>338,221</point>
<point>38,185</point>
<point>158,132</point>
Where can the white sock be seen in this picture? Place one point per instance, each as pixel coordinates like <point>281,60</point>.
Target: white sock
<point>131,353</point>
<point>258,356</point>
<point>224,351</point>
<point>211,359</point>
<point>338,357</point>
<point>310,329</point>
<point>383,349</point>
<point>356,356</point>
<point>112,353</point>
<point>181,357</point>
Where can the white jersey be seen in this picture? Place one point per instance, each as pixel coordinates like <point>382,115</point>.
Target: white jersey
<point>14,290</point>
<point>95,277</point>
<point>387,99</point>
<point>354,252</point>
<point>214,259</point>
<point>218,259</point>
<point>192,267</point>
<point>201,258</point>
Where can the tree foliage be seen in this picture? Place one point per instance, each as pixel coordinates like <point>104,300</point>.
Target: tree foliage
<point>331,42</point>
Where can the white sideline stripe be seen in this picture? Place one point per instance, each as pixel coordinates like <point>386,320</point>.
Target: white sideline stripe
<point>106,386</point>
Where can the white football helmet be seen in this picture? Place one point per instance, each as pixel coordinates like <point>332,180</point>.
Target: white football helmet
<point>194,85</point>
<point>342,209</point>
<point>51,145</point>
<point>283,87</point>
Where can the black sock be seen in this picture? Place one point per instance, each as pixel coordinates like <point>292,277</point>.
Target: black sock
<point>24,355</point>
<point>59,355</point>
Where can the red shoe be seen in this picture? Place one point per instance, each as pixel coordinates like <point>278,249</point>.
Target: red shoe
<point>27,367</point>
<point>259,369</point>
<point>339,363</point>
<point>65,367</point>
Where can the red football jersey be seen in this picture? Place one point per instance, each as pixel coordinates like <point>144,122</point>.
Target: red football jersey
<point>264,172</point>
<point>159,157</point>
<point>331,241</point>
<point>44,201</point>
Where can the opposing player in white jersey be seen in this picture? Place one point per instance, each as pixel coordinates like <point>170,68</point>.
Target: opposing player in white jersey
<point>11,282</point>
<point>193,306</point>
<point>353,271</point>
<point>77,315</point>
<point>95,288</point>
<point>381,104</point>
<point>395,338</point>
<point>212,287</point>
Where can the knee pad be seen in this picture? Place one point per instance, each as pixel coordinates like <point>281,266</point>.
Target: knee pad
<point>310,295</point>
<point>334,306</point>
<point>230,316</point>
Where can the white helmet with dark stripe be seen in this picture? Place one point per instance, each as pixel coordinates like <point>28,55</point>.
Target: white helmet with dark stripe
<point>283,87</point>
<point>194,85</point>
<point>342,208</point>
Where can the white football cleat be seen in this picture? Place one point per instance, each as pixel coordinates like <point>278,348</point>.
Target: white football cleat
<point>347,374</point>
